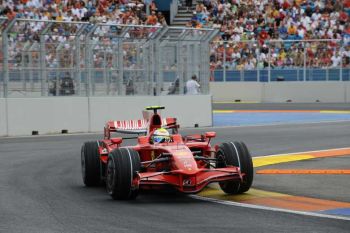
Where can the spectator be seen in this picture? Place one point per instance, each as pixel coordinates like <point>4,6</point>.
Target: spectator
<point>152,19</point>
<point>336,60</point>
<point>192,86</point>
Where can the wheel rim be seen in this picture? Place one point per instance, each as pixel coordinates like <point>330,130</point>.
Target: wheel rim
<point>110,175</point>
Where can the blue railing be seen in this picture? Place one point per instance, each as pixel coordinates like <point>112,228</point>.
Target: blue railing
<point>294,74</point>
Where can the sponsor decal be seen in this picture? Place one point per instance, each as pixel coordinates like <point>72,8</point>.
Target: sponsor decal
<point>181,153</point>
<point>187,165</point>
<point>187,182</point>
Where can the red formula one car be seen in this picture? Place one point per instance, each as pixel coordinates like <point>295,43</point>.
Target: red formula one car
<point>184,163</point>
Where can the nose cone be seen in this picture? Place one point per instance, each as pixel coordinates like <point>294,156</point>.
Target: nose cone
<point>184,161</point>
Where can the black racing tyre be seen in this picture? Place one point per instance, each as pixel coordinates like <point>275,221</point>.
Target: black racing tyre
<point>236,154</point>
<point>122,167</point>
<point>90,163</point>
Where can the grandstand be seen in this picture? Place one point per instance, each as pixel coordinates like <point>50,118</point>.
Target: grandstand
<point>257,41</point>
<point>295,40</point>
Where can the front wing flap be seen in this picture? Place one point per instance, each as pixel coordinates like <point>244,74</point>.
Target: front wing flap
<point>189,183</point>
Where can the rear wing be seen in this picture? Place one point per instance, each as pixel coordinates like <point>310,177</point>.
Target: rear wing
<point>135,126</point>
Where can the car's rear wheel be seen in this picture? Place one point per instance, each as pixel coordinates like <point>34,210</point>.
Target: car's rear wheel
<point>235,154</point>
<point>90,163</point>
<point>122,167</point>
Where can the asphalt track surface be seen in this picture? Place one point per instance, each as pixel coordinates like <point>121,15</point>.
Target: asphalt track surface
<point>41,189</point>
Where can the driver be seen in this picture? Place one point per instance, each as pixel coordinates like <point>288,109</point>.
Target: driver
<point>160,135</point>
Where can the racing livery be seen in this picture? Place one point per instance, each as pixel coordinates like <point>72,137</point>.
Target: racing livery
<point>183,163</point>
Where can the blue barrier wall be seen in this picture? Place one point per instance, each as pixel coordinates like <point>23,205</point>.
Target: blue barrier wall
<point>312,74</point>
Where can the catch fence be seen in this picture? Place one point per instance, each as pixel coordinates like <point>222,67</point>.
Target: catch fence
<point>53,58</point>
<point>280,60</point>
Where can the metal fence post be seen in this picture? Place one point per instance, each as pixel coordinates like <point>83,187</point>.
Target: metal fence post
<point>224,62</point>
<point>88,65</point>
<point>5,47</point>
<point>269,66</point>
<point>196,58</point>
<point>189,61</point>
<point>6,62</point>
<point>179,71</point>
<point>203,74</point>
<point>77,65</point>
<point>31,71</point>
<point>43,73</point>
<point>145,68</point>
<point>258,78</point>
<point>120,67</point>
<point>341,60</point>
<point>304,68</point>
<point>206,60</point>
<point>104,72</point>
<point>88,60</point>
<point>152,77</point>
<point>205,68</point>
<point>23,68</point>
<point>159,82</point>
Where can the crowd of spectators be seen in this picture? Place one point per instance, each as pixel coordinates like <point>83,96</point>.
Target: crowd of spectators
<point>260,33</point>
<point>253,33</point>
<point>59,38</point>
<point>94,11</point>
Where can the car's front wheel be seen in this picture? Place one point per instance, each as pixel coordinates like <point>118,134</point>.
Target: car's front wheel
<point>122,168</point>
<point>235,154</point>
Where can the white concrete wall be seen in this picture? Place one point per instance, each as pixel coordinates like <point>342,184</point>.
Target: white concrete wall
<point>347,93</point>
<point>328,92</point>
<point>82,114</point>
<point>3,116</point>
<point>47,115</point>
<point>189,110</point>
<point>231,91</point>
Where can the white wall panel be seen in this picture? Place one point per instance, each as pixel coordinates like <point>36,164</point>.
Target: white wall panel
<point>3,116</point>
<point>47,115</point>
<point>189,110</point>
<point>242,91</point>
<point>328,92</point>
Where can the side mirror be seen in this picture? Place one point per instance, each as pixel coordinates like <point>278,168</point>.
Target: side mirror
<point>143,140</point>
<point>116,140</point>
<point>210,134</point>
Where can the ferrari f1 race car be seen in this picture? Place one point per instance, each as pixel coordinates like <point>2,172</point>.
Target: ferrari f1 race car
<point>162,160</point>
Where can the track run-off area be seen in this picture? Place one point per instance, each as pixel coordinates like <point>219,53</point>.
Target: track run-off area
<point>41,188</point>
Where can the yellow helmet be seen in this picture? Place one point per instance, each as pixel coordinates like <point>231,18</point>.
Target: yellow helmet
<point>160,135</point>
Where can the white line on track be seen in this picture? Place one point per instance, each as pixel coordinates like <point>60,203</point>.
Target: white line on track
<point>238,204</point>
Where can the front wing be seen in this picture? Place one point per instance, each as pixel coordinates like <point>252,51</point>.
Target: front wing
<point>189,183</point>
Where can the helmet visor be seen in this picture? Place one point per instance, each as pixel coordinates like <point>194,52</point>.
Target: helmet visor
<point>160,139</point>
